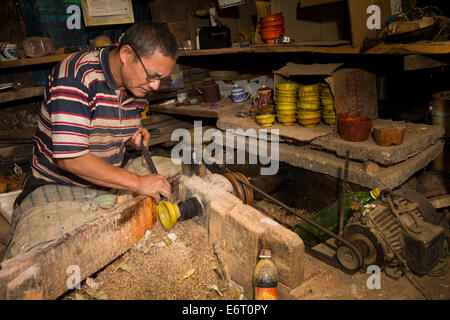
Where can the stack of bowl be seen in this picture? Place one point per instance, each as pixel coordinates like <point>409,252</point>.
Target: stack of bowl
<point>286,99</point>
<point>265,120</point>
<point>327,100</point>
<point>272,27</point>
<point>308,111</point>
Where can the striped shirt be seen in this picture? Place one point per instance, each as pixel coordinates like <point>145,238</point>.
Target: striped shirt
<point>83,111</point>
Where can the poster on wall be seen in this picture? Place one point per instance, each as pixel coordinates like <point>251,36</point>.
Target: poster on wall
<point>105,12</point>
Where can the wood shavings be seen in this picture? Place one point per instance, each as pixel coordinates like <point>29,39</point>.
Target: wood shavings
<point>189,273</point>
<point>215,288</point>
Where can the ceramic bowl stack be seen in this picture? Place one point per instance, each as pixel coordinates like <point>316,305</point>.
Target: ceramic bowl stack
<point>272,27</point>
<point>327,101</point>
<point>308,106</point>
<point>286,100</point>
<point>265,120</point>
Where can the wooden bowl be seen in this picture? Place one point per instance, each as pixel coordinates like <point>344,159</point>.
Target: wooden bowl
<point>279,22</point>
<point>388,134</point>
<point>272,17</point>
<point>355,129</point>
<point>271,34</point>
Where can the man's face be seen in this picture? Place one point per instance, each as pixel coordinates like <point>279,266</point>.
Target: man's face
<point>142,78</point>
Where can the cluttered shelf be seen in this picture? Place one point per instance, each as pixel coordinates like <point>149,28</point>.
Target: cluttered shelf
<point>23,93</point>
<point>438,47</point>
<point>32,61</point>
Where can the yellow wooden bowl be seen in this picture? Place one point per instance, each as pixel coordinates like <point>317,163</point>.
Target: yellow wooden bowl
<point>310,98</point>
<point>287,118</point>
<point>285,95</point>
<point>306,114</point>
<point>286,113</point>
<point>326,101</point>
<point>291,99</point>
<point>309,123</point>
<point>328,108</point>
<point>310,88</point>
<point>287,86</point>
<point>265,117</point>
<point>309,105</point>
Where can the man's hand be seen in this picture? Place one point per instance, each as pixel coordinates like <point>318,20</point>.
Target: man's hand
<point>135,140</point>
<point>154,185</point>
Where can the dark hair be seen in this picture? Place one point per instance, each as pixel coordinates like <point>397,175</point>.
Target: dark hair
<point>148,37</point>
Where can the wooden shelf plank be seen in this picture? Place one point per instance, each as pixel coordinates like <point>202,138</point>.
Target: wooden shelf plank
<point>22,93</point>
<point>201,110</point>
<point>441,47</point>
<point>33,61</point>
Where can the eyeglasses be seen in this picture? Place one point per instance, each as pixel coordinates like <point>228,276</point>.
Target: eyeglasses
<point>150,77</point>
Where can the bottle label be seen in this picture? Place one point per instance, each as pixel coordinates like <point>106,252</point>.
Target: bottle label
<point>265,293</point>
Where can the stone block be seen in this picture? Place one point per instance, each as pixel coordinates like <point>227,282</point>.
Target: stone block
<point>288,254</point>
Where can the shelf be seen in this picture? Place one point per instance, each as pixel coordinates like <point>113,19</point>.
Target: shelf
<point>33,61</point>
<point>337,47</point>
<point>442,47</point>
<point>23,93</point>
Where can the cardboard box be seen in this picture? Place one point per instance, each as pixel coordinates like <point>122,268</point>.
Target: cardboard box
<point>354,90</point>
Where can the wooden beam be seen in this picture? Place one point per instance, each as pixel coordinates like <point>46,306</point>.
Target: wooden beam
<point>417,62</point>
<point>33,61</point>
<point>201,110</point>
<point>88,248</point>
<point>23,93</point>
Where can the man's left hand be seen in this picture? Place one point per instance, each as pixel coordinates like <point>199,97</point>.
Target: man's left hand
<point>135,140</point>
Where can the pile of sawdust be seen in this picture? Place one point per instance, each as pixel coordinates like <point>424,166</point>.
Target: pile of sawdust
<point>161,269</point>
<point>279,214</point>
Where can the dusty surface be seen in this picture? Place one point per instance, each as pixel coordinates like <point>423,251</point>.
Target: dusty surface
<point>295,131</point>
<point>417,138</point>
<point>163,273</point>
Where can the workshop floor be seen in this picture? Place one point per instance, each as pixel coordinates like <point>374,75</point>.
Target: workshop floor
<point>184,269</point>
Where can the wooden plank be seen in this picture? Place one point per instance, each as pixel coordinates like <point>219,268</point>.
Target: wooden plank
<point>33,61</point>
<point>437,47</point>
<point>90,248</point>
<point>160,124</point>
<point>203,110</point>
<point>417,62</point>
<point>23,93</point>
<point>156,118</point>
<point>440,202</point>
<point>169,129</point>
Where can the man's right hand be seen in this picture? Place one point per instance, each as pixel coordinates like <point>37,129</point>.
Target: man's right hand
<point>154,185</point>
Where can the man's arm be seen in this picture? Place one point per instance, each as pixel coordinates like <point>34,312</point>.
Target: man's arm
<point>99,172</point>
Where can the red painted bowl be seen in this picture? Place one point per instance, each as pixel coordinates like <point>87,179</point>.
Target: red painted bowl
<point>355,129</point>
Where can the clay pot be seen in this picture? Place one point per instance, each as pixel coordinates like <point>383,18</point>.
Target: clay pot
<point>271,34</point>
<point>272,17</point>
<point>355,129</point>
<point>385,135</point>
<point>210,91</point>
<point>273,23</point>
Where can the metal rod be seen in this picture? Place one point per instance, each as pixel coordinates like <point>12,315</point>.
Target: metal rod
<point>342,200</point>
<point>311,222</point>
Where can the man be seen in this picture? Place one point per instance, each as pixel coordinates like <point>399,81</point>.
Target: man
<point>90,113</point>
